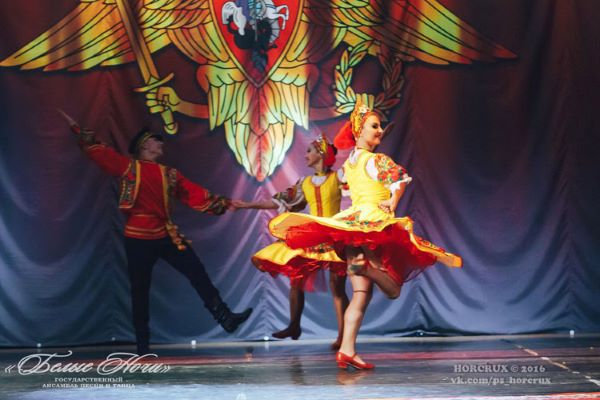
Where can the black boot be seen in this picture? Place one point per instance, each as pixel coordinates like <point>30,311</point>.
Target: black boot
<point>223,315</point>
<point>142,348</point>
<point>142,342</point>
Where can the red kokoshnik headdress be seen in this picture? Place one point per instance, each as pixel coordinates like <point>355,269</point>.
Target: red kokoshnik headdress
<point>346,137</point>
<point>326,150</point>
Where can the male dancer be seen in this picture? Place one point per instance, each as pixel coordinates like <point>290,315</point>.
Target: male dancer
<point>146,196</point>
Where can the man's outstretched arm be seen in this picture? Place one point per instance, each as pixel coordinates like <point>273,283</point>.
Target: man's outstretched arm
<point>107,158</point>
<point>199,198</point>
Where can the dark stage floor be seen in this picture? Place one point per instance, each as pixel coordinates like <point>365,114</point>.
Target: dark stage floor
<point>528,367</point>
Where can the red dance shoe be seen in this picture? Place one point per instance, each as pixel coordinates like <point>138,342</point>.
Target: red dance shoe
<point>293,333</point>
<point>344,361</point>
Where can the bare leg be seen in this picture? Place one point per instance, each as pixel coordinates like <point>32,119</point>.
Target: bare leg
<point>296,298</point>
<point>387,285</point>
<point>337,285</point>
<point>362,293</point>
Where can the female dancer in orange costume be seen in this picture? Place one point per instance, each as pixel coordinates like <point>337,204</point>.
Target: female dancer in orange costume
<point>378,247</point>
<point>322,193</point>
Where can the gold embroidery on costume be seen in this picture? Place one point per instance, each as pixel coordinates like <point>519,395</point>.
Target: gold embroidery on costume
<point>129,185</point>
<point>169,176</point>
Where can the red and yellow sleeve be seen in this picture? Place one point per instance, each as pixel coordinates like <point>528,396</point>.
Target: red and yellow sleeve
<point>388,172</point>
<point>108,159</point>
<point>292,199</point>
<point>198,198</point>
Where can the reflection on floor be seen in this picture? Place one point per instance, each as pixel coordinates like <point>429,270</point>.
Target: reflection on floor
<point>525,367</point>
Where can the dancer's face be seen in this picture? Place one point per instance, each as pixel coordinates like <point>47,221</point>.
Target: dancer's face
<point>153,148</point>
<point>372,133</point>
<point>312,157</point>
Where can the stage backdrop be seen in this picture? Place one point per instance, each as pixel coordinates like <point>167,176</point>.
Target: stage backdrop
<point>496,109</point>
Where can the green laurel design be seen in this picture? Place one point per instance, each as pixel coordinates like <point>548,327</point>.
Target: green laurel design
<point>392,81</point>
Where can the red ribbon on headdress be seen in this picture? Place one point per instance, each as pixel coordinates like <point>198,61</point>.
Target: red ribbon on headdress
<point>344,139</point>
<point>326,150</point>
<point>329,157</point>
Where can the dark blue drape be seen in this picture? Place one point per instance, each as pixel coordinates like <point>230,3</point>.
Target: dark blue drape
<point>504,157</point>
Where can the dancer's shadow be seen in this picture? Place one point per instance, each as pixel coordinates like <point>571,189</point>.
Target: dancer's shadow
<point>296,370</point>
<point>346,377</point>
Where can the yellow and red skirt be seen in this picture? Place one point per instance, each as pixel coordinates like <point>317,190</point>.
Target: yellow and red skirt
<point>301,266</point>
<point>402,254</point>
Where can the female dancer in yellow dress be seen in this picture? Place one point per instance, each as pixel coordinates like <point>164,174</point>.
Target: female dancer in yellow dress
<point>322,193</point>
<point>378,247</point>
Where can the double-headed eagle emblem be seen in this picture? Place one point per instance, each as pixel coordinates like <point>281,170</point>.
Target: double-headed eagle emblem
<point>258,59</point>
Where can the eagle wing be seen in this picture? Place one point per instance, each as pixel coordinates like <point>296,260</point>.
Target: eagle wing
<point>421,30</point>
<point>93,34</point>
<point>259,121</point>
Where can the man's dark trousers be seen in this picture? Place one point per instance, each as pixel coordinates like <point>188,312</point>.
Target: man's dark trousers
<point>142,254</point>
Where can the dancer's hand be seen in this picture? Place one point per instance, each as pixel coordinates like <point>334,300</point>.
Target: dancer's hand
<point>258,205</point>
<point>389,205</point>
<point>75,128</point>
<point>238,204</point>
